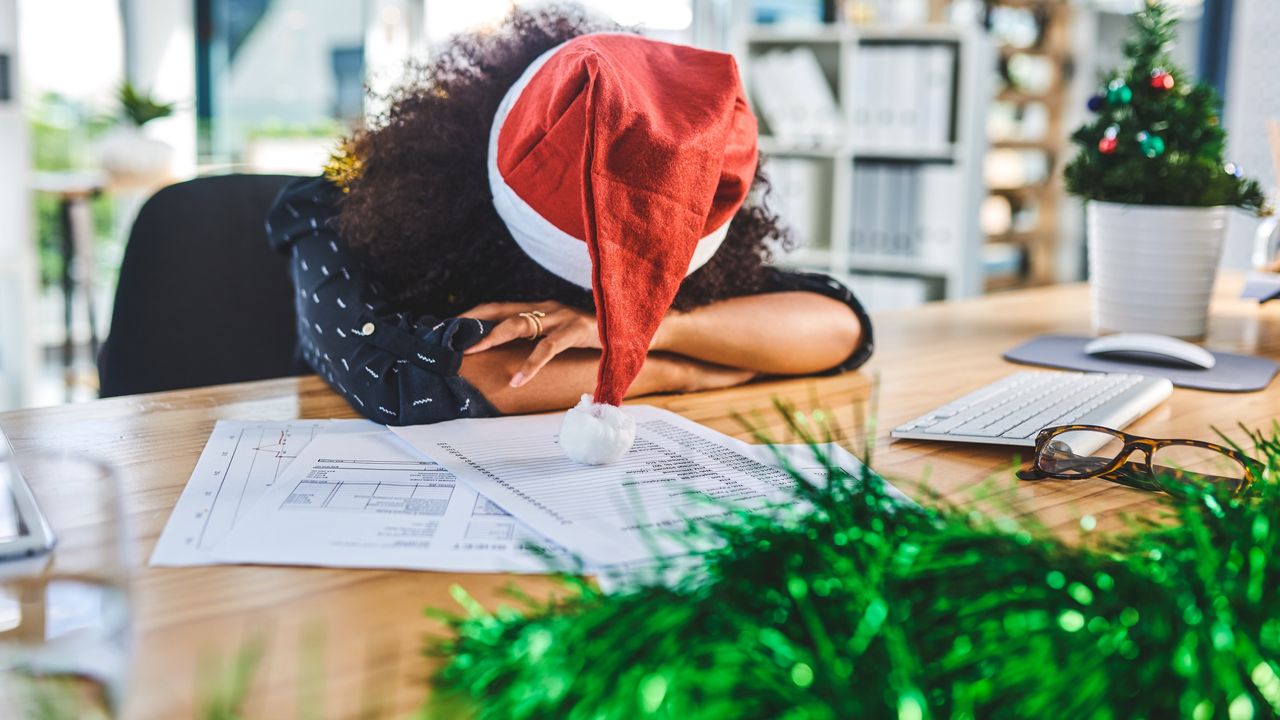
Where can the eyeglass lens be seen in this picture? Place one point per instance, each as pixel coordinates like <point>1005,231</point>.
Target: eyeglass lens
<point>1192,464</point>
<point>1079,453</point>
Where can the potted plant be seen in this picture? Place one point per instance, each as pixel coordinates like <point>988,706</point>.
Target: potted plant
<point>1150,167</point>
<point>129,157</point>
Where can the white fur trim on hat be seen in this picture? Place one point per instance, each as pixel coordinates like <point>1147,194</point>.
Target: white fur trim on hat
<point>548,245</point>
<point>596,434</point>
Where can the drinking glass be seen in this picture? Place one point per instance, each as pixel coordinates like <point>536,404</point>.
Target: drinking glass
<point>65,634</point>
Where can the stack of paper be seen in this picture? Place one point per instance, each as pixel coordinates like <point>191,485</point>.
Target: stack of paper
<point>356,496</point>
<point>493,495</point>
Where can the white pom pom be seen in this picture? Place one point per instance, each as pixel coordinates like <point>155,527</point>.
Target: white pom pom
<point>596,434</point>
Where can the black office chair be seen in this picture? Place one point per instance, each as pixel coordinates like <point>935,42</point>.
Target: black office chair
<point>202,299</point>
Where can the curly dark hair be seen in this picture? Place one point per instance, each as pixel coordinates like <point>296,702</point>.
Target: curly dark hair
<point>421,213</point>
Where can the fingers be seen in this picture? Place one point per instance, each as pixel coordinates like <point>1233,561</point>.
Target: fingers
<point>493,311</point>
<point>543,352</point>
<point>521,328</point>
<point>500,310</point>
<point>511,325</point>
<point>513,328</point>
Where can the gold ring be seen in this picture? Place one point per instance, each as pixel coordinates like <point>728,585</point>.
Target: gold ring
<point>534,317</point>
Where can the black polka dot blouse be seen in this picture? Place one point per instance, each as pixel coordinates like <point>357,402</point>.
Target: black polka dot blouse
<point>397,369</point>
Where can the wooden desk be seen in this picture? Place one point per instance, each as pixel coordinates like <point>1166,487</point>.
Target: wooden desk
<point>372,621</point>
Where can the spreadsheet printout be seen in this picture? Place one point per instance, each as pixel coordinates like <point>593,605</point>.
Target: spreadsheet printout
<point>633,510</point>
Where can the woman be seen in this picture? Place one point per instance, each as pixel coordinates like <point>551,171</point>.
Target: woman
<point>418,305</point>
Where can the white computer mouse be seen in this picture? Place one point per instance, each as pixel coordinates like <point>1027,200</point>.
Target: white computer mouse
<point>1151,349</point>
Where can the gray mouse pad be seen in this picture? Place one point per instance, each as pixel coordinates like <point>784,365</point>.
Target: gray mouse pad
<point>1232,373</point>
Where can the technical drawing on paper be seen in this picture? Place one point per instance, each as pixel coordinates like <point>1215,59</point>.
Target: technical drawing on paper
<point>409,487</point>
<point>255,456</point>
<point>240,461</point>
<point>395,487</point>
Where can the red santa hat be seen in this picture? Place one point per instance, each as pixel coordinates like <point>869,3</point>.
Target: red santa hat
<point>617,162</point>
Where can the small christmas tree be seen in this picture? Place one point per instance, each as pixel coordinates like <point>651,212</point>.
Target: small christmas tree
<point>1156,139</point>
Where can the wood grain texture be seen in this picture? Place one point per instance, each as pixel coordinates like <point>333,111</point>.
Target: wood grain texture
<point>365,628</point>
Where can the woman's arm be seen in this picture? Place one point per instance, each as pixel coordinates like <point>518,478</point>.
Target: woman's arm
<point>573,373</point>
<point>778,333</point>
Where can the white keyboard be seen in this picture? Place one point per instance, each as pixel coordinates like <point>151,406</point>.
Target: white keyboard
<point>1012,410</point>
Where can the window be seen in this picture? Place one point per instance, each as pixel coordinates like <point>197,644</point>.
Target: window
<point>277,80</point>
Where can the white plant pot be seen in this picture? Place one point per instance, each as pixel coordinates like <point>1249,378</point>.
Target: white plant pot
<point>131,159</point>
<point>1152,268</point>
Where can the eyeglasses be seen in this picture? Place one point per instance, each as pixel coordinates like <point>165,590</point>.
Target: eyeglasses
<point>1071,452</point>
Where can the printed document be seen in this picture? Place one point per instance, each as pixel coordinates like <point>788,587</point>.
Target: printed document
<point>357,496</point>
<point>240,461</point>
<point>633,510</point>
<point>669,570</point>
<point>350,493</point>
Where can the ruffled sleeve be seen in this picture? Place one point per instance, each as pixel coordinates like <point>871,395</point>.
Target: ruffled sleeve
<point>392,368</point>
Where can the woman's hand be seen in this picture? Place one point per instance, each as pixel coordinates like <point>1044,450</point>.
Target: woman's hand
<point>563,327</point>
<point>779,333</point>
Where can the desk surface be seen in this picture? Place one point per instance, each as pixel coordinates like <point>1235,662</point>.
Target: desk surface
<point>365,628</point>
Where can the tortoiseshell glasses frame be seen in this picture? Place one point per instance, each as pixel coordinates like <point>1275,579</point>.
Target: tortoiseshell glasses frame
<point>1144,475</point>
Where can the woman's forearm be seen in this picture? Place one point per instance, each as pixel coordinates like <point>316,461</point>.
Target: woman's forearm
<point>784,333</point>
<point>563,381</point>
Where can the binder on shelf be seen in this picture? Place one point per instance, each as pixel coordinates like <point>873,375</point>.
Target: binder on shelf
<point>862,109</point>
<point>863,208</point>
<point>893,220</point>
<point>882,211</point>
<point>892,97</point>
<point>908,89</point>
<point>944,193</point>
<point>857,209</point>
<point>797,197</point>
<point>913,212</point>
<point>874,96</point>
<point>884,99</point>
<point>939,81</point>
<point>903,97</point>
<point>793,95</point>
<point>907,218</point>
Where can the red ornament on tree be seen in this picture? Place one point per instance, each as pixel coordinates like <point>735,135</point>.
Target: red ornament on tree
<point>1161,80</point>
<point>1107,145</point>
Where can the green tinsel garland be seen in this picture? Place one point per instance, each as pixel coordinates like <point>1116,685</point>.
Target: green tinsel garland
<point>868,609</point>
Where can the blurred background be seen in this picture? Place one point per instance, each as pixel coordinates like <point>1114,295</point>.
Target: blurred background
<point>916,146</point>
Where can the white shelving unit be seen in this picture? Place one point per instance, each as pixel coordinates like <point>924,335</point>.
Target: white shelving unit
<point>950,264</point>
